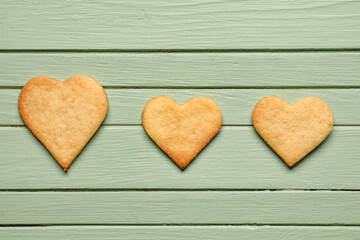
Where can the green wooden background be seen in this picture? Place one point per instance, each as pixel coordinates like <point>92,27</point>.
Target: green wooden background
<point>235,52</point>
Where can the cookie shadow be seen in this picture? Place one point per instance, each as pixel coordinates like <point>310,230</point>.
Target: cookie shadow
<point>82,150</point>
<point>181,170</point>
<point>86,145</point>
<point>300,161</point>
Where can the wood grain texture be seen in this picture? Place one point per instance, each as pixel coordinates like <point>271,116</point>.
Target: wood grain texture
<point>125,157</point>
<point>234,52</point>
<point>187,69</point>
<point>180,207</point>
<point>181,232</point>
<point>126,105</point>
<point>201,24</point>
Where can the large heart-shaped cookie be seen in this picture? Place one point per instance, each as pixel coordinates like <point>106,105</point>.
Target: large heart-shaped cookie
<point>181,131</point>
<point>63,115</point>
<point>292,131</point>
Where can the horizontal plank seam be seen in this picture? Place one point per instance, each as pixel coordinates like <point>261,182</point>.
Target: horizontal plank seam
<point>111,190</point>
<point>212,87</point>
<point>138,125</point>
<point>233,87</point>
<point>182,225</point>
<point>227,226</point>
<point>179,50</point>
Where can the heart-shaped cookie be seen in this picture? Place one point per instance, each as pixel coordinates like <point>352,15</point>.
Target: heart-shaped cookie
<point>181,131</point>
<point>63,115</point>
<point>292,131</point>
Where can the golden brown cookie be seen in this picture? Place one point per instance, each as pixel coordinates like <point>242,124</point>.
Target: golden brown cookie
<point>292,131</point>
<point>181,131</point>
<point>63,115</point>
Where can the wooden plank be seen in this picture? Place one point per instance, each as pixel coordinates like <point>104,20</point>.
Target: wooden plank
<point>187,69</point>
<point>201,24</point>
<point>126,105</point>
<point>126,158</point>
<point>180,232</point>
<point>180,207</point>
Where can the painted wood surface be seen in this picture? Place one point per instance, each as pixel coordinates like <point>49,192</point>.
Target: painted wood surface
<point>235,52</point>
<point>181,207</point>
<point>217,69</point>
<point>126,105</point>
<point>182,232</point>
<point>199,24</point>
<point>126,158</point>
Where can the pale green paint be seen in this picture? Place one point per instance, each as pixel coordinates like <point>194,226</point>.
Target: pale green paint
<point>175,24</point>
<point>125,157</point>
<point>122,160</point>
<point>187,69</point>
<point>181,232</point>
<point>180,207</point>
<point>126,105</point>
